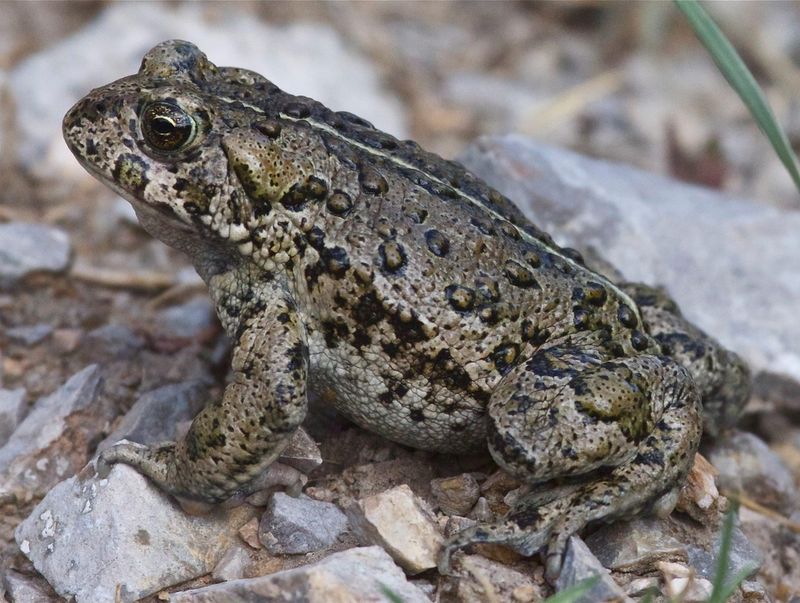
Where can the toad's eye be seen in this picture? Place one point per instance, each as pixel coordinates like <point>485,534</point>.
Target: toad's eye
<point>167,127</point>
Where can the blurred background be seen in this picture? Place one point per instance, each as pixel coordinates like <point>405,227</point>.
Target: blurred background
<point>622,81</point>
<point>618,80</point>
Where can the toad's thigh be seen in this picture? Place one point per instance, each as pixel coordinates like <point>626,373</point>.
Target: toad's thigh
<point>562,413</point>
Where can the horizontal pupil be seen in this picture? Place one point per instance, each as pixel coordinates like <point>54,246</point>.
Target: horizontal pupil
<point>163,126</point>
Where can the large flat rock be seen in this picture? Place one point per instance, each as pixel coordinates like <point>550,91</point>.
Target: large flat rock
<point>121,539</point>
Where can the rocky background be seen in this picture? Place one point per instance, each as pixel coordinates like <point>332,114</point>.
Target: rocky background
<point>106,334</point>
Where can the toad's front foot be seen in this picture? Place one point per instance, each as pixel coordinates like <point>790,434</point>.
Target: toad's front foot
<point>158,463</point>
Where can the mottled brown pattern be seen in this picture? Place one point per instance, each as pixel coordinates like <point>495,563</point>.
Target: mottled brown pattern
<point>343,259</point>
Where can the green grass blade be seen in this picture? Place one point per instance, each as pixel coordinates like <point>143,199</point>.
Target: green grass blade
<point>728,589</point>
<point>741,80</point>
<point>392,596</point>
<point>574,592</point>
<point>723,587</point>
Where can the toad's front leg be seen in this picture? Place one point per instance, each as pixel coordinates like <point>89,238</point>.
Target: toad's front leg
<point>232,440</point>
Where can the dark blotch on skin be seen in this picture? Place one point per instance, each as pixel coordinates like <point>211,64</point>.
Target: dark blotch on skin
<point>297,110</point>
<point>416,415</point>
<point>437,242</point>
<point>639,341</point>
<point>504,356</point>
<point>533,334</point>
<point>519,276</point>
<point>298,195</point>
<point>393,256</point>
<point>130,172</point>
<point>336,261</point>
<point>269,128</point>
<point>372,181</point>
<point>595,294</point>
<point>339,203</point>
<point>580,318</point>
<point>626,316</point>
<point>461,298</point>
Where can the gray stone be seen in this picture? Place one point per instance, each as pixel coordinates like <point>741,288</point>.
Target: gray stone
<point>156,415</point>
<point>580,564</point>
<point>742,555</point>
<point>233,564</point>
<point>47,421</point>
<point>29,248</point>
<point>112,341</point>
<point>302,452</point>
<point>299,525</point>
<point>635,546</point>
<point>303,58</point>
<point>120,538</point>
<point>190,320</point>
<point>27,589</point>
<point>29,334</point>
<point>664,232</point>
<point>746,464</point>
<point>358,574</point>
<point>12,407</point>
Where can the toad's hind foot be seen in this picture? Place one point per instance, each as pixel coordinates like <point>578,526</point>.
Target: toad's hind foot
<point>531,527</point>
<point>526,530</point>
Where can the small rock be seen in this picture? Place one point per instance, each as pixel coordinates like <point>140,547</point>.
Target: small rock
<point>155,416</point>
<point>681,584</point>
<point>699,497</point>
<point>482,579</point>
<point>399,522</point>
<point>754,592</point>
<point>580,564</point>
<point>302,452</point>
<point>635,546</point>
<point>641,586</point>
<point>249,533</point>
<point>120,538</point>
<point>189,321</point>
<point>112,341</point>
<point>746,464</point>
<point>358,574</point>
<point>29,248</point>
<point>29,335</point>
<point>481,510</point>
<point>27,589</point>
<point>67,340</point>
<point>12,407</point>
<point>456,495</point>
<point>742,555</point>
<point>299,525</point>
<point>232,565</point>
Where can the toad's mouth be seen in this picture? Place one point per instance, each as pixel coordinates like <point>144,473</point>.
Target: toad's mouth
<point>145,211</point>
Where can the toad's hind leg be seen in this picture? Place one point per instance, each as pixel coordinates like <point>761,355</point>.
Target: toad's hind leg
<point>565,413</point>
